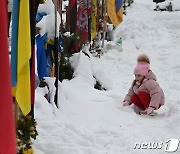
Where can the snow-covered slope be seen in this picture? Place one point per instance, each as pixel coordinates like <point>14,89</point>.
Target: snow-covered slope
<point>90,121</point>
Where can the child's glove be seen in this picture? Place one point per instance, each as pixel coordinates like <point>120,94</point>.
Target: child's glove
<point>126,103</point>
<point>150,110</point>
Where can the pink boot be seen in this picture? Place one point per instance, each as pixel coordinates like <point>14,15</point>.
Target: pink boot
<point>148,111</point>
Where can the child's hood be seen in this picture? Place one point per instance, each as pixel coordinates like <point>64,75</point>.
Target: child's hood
<point>150,75</point>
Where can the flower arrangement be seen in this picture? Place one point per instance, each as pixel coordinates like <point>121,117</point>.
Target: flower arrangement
<point>26,130</point>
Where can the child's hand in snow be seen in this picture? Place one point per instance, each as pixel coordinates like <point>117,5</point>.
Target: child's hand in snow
<point>126,103</point>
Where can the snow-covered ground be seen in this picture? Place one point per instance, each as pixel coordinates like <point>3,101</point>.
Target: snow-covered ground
<point>90,121</point>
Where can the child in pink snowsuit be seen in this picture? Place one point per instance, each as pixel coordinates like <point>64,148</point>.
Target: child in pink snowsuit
<point>145,92</point>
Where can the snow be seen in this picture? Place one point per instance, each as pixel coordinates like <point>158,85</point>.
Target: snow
<point>91,121</point>
<point>175,4</point>
<point>46,24</point>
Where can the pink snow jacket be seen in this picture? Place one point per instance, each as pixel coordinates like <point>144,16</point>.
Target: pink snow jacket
<point>149,85</point>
